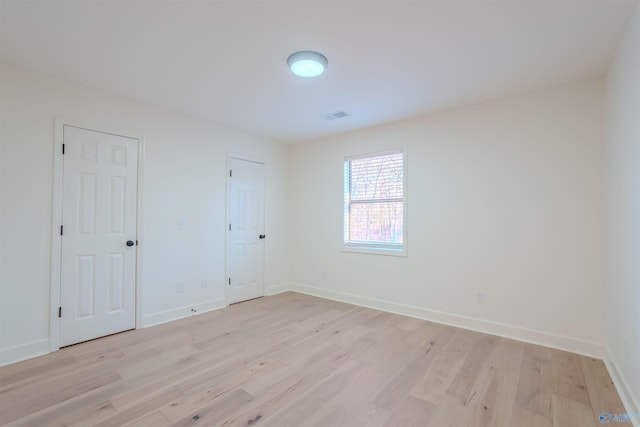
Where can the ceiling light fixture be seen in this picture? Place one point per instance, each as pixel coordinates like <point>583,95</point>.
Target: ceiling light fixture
<point>307,63</point>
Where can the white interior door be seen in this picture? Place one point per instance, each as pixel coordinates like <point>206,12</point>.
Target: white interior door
<point>99,195</point>
<point>246,230</point>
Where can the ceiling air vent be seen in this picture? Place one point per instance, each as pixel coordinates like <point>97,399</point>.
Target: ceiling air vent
<point>336,115</point>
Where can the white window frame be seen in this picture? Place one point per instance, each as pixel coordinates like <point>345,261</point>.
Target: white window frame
<point>373,247</point>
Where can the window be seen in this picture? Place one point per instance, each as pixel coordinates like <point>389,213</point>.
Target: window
<point>374,199</point>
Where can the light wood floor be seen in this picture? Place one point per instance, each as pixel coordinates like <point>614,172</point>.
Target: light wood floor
<point>296,360</point>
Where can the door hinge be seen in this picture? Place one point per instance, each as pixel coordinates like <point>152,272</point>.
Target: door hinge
<point>230,173</point>
<point>229,281</point>
<point>61,230</point>
<point>59,312</point>
<point>62,148</point>
<point>229,227</point>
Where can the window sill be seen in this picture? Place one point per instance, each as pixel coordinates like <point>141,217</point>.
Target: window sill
<point>375,251</point>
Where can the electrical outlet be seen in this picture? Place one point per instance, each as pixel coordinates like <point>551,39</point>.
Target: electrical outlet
<point>479,296</point>
<point>203,284</point>
<point>180,287</point>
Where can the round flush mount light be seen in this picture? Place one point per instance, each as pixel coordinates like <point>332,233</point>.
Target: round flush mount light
<point>307,63</point>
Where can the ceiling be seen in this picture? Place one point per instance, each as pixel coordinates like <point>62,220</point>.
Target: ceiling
<point>225,61</point>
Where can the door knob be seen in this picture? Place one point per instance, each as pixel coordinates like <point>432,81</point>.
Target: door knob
<point>130,243</point>
<point>262,236</point>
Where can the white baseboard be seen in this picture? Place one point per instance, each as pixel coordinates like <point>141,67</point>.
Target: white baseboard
<point>182,312</point>
<point>25,351</point>
<point>629,399</point>
<point>41,347</point>
<point>532,336</point>
<point>37,348</point>
<point>278,289</point>
<point>546,339</point>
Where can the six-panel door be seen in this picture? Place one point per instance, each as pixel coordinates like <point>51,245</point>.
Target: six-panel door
<point>246,218</point>
<point>98,269</point>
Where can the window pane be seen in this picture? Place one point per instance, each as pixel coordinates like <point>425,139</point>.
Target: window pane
<point>378,177</point>
<point>374,201</point>
<point>376,222</point>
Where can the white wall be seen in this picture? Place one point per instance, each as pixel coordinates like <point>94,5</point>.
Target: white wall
<point>505,196</point>
<point>623,212</point>
<point>184,179</point>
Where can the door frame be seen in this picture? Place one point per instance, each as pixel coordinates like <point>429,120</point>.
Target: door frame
<point>56,220</point>
<point>227,270</point>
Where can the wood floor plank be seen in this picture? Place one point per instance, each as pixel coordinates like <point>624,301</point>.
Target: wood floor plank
<point>212,412</point>
<point>536,383</point>
<point>433,386</point>
<point>16,375</point>
<point>154,419</point>
<point>73,411</point>
<point>411,412</point>
<point>600,387</point>
<point>499,397</point>
<point>568,377</point>
<point>349,407</point>
<point>143,406</point>
<point>297,360</point>
<point>524,418</point>
<point>150,382</point>
<point>280,394</point>
<point>449,412</point>
<point>367,415</point>
<point>199,393</point>
<point>431,341</point>
<point>571,413</point>
<point>463,383</point>
<point>298,411</point>
<point>35,397</point>
<point>507,355</point>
